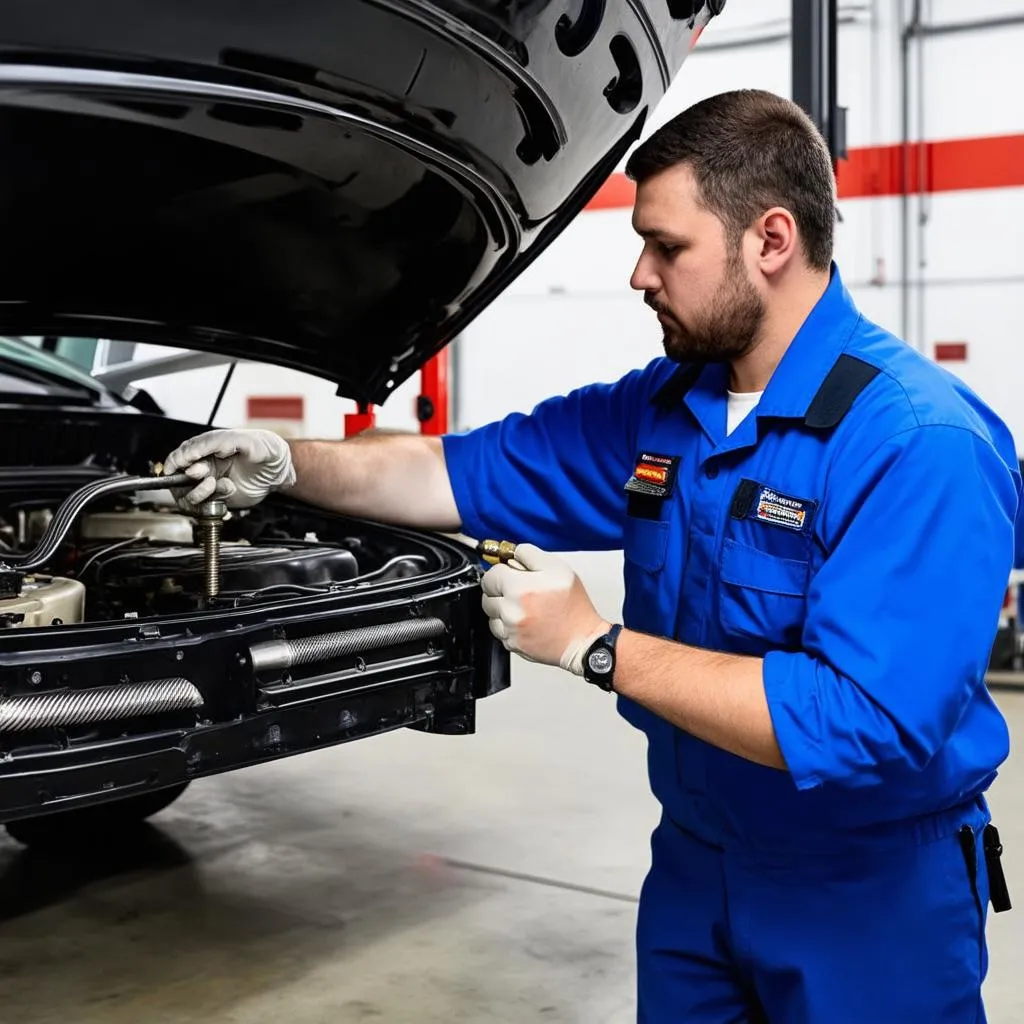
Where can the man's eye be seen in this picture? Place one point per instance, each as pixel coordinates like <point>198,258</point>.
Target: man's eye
<point>668,250</point>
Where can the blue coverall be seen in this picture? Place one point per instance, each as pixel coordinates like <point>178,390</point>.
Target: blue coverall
<point>857,531</point>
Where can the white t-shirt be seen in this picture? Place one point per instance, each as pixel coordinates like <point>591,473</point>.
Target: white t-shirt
<point>741,404</point>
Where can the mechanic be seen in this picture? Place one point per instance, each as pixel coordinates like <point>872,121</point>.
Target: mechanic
<point>793,488</point>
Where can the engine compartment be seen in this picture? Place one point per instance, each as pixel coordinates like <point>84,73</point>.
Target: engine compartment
<point>122,671</point>
<point>137,556</point>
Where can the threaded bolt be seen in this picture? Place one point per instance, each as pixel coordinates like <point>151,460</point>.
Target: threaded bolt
<point>209,518</point>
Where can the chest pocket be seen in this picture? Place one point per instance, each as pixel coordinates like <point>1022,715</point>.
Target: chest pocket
<point>763,597</point>
<point>650,502</point>
<point>765,569</point>
<point>645,542</point>
<point>644,548</point>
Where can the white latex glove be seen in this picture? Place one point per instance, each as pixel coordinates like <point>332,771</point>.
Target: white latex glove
<point>543,614</point>
<point>241,467</point>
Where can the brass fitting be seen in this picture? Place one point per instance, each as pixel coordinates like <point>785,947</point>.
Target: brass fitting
<point>495,551</point>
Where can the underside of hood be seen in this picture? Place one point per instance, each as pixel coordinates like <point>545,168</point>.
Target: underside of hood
<point>337,186</point>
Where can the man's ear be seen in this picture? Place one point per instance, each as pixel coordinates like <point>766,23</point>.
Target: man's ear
<point>778,240</point>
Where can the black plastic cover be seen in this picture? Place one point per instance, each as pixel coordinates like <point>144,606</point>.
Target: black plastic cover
<point>243,568</point>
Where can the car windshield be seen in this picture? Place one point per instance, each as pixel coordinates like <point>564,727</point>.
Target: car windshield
<point>198,387</point>
<point>27,356</point>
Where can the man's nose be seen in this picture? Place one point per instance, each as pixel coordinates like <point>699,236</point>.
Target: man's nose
<point>644,278</point>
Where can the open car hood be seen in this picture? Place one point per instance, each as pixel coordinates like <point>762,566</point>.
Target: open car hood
<point>338,186</point>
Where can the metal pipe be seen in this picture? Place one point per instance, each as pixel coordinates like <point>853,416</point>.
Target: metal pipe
<point>944,282</point>
<point>905,37</point>
<point>974,25</point>
<point>454,382</point>
<point>877,242</point>
<point>771,31</point>
<point>923,199</point>
<point>101,704</point>
<point>209,518</point>
<point>917,29</point>
<point>763,38</point>
<point>280,655</point>
<point>73,506</point>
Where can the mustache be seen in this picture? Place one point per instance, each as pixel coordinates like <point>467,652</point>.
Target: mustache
<point>658,307</point>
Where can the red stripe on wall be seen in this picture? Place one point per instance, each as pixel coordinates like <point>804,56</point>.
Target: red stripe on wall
<point>952,165</point>
<point>949,165</point>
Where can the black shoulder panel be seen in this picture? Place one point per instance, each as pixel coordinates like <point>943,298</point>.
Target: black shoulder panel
<point>839,390</point>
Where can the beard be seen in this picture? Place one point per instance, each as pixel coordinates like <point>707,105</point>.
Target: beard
<point>720,333</point>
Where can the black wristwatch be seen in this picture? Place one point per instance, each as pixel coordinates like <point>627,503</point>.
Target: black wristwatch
<point>599,661</point>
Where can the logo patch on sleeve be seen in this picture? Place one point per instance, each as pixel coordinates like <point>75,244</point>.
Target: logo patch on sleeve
<point>653,475</point>
<point>782,510</point>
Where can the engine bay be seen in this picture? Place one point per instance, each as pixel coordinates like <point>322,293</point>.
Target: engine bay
<point>138,556</point>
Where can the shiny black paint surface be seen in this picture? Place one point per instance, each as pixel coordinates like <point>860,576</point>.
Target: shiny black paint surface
<point>333,185</point>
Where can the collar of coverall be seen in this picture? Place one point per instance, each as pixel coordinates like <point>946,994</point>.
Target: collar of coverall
<point>797,380</point>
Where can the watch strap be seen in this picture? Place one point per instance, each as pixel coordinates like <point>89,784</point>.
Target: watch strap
<point>605,642</point>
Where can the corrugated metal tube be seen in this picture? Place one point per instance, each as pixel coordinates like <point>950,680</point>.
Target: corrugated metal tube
<point>101,704</point>
<point>278,655</point>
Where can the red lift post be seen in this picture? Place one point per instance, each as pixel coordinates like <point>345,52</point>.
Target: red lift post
<point>431,403</point>
<point>357,422</point>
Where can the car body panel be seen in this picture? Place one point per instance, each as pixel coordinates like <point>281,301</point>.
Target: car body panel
<point>339,187</point>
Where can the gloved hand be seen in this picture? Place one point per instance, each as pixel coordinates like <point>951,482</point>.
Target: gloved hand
<point>241,467</point>
<point>543,614</point>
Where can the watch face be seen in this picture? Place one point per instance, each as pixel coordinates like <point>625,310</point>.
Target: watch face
<point>600,661</point>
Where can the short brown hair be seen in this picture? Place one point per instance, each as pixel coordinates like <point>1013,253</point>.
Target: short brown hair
<point>750,150</point>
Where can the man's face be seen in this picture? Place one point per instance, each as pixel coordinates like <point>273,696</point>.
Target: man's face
<point>690,275</point>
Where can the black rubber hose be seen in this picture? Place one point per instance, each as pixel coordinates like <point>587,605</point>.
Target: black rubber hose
<point>73,506</point>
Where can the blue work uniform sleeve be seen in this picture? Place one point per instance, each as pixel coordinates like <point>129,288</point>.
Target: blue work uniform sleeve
<point>1018,550</point>
<point>554,477</point>
<point>903,612</point>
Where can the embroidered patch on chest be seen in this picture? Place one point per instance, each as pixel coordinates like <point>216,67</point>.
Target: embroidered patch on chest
<point>781,510</point>
<point>653,475</point>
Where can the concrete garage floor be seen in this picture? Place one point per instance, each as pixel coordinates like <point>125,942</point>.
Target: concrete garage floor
<point>409,879</point>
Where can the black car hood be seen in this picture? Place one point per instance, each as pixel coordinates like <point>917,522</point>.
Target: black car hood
<point>338,186</point>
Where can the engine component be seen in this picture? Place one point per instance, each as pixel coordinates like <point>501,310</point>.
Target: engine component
<point>278,655</point>
<point>44,601</point>
<point>165,527</point>
<point>33,524</point>
<point>164,580</point>
<point>102,704</point>
<point>72,507</point>
<point>243,567</point>
<point>209,517</point>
